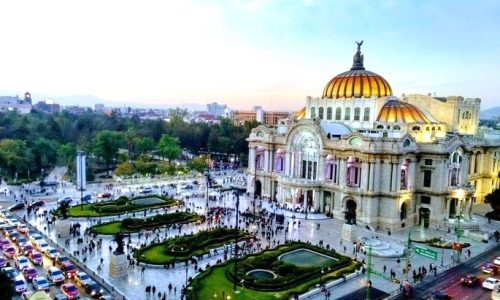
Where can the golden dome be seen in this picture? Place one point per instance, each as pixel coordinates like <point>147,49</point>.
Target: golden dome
<point>395,111</point>
<point>357,82</point>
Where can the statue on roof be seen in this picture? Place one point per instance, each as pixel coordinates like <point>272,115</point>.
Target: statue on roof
<point>357,63</point>
<point>359,45</point>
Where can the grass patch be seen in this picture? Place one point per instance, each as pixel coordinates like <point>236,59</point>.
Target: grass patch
<point>184,247</point>
<point>215,280</point>
<point>115,207</point>
<point>134,224</point>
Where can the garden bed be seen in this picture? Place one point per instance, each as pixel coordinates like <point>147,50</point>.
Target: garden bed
<point>438,243</point>
<point>129,225</point>
<point>291,280</point>
<point>119,206</point>
<point>183,248</point>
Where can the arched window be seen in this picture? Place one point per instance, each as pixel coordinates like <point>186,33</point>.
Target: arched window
<point>407,143</point>
<point>329,113</point>
<point>397,127</point>
<point>357,114</point>
<point>330,168</point>
<point>455,168</point>
<point>338,113</point>
<point>280,161</point>
<point>404,175</point>
<point>415,128</point>
<point>380,126</point>
<point>321,112</point>
<point>366,114</point>
<point>347,114</point>
<point>313,112</point>
<point>404,211</point>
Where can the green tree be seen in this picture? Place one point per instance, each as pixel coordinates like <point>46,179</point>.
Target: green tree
<point>6,287</point>
<point>198,163</point>
<point>124,169</point>
<point>106,146</point>
<point>13,156</point>
<point>44,153</point>
<point>144,146</point>
<point>169,147</point>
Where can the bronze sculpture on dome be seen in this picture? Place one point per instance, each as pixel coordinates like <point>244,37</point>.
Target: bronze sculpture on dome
<point>359,45</point>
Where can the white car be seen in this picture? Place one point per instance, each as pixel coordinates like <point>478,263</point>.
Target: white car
<point>42,246</point>
<point>20,286</point>
<point>22,262</point>
<point>496,261</point>
<point>490,283</point>
<point>51,253</point>
<point>82,278</point>
<point>40,283</point>
<point>55,275</point>
<point>35,238</point>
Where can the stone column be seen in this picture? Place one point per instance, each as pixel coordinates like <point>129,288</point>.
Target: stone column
<point>318,200</point>
<point>342,172</point>
<point>251,159</point>
<point>377,166</point>
<point>364,176</point>
<point>412,173</point>
<point>394,176</point>
<point>448,203</point>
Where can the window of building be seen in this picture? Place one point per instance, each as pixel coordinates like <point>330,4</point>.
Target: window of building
<point>425,199</point>
<point>353,177</point>
<point>320,113</point>
<point>357,114</point>
<point>313,112</point>
<point>428,162</point>
<point>380,126</point>
<point>397,127</point>
<point>338,114</point>
<point>347,114</point>
<point>366,114</point>
<point>407,143</point>
<point>415,128</point>
<point>427,178</point>
<point>404,175</point>
<point>329,113</point>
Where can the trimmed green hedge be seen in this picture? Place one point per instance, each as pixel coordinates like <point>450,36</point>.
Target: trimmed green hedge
<point>438,243</point>
<point>136,224</point>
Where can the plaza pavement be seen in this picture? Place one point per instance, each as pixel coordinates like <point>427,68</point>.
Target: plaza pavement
<point>133,284</point>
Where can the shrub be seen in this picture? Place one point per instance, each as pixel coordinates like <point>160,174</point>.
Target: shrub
<point>121,201</point>
<point>109,208</point>
<point>285,269</point>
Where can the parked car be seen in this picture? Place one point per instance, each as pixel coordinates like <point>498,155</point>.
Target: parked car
<point>37,203</point>
<point>442,295</point>
<point>22,263</point>
<point>496,261</point>
<point>36,258</point>
<point>490,283</point>
<point>30,274</point>
<point>42,246</point>
<point>146,190</point>
<point>104,195</point>
<point>41,283</point>
<point>81,278</point>
<point>35,238</point>
<point>489,268</point>
<point>70,291</point>
<point>17,206</point>
<point>19,286</point>
<point>93,289</point>
<point>469,280</point>
<point>55,275</point>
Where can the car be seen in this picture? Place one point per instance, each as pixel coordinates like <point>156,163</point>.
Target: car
<point>13,236</point>
<point>106,297</point>
<point>42,246</point>
<point>59,297</point>
<point>86,199</point>
<point>496,261</point>
<point>62,259</point>
<point>3,262</point>
<point>489,268</point>
<point>30,274</point>
<point>70,291</point>
<point>93,289</point>
<point>441,295</point>
<point>4,243</point>
<point>104,195</point>
<point>146,190</point>
<point>19,286</point>
<point>68,269</point>
<point>81,278</point>
<point>37,203</point>
<point>25,249</point>
<point>22,228</point>
<point>36,258</point>
<point>17,206</point>
<point>11,273</point>
<point>66,200</point>
<point>196,182</point>
<point>41,283</point>
<point>9,252</point>
<point>31,232</point>
<point>55,275</point>
<point>35,238</point>
<point>489,283</point>
<point>37,295</point>
<point>9,228</point>
<point>2,224</point>
<point>22,262</point>
<point>187,186</point>
<point>51,252</point>
<point>469,280</point>
<point>21,240</point>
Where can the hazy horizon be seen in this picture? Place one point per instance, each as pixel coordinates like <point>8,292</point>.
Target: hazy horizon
<point>245,53</point>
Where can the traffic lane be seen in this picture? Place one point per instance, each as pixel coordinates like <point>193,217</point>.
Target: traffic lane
<point>42,271</point>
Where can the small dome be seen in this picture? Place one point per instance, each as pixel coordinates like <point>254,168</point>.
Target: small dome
<point>395,111</point>
<point>357,82</point>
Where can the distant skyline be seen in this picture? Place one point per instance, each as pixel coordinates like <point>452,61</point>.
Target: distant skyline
<point>245,53</point>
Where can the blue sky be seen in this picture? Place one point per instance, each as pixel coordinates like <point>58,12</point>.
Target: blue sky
<point>244,53</point>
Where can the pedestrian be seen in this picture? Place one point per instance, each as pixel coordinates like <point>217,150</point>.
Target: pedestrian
<point>385,268</point>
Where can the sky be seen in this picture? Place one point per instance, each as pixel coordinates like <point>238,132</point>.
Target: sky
<point>245,53</point>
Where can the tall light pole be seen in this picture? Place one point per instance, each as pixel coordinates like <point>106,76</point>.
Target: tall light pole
<point>255,188</point>
<point>80,174</point>
<point>236,192</point>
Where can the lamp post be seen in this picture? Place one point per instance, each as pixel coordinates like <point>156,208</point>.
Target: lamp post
<point>236,192</point>
<point>442,251</point>
<point>255,188</point>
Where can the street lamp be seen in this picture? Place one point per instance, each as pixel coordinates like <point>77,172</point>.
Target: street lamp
<point>236,192</point>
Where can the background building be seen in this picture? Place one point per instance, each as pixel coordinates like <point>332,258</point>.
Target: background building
<point>268,118</point>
